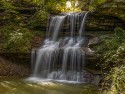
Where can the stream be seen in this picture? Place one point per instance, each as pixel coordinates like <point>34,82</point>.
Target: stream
<point>17,85</point>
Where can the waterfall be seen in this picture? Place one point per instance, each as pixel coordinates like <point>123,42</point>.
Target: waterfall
<point>82,25</point>
<point>62,58</point>
<point>55,26</point>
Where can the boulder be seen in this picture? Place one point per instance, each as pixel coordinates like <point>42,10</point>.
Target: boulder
<point>94,41</point>
<point>96,80</point>
<point>88,51</point>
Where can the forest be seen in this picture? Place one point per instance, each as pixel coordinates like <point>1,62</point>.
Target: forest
<point>46,33</point>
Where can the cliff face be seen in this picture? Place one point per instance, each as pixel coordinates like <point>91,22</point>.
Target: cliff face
<point>108,7</point>
<point>114,8</point>
<point>97,21</point>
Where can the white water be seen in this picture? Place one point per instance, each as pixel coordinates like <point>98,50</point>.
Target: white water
<point>62,59</point>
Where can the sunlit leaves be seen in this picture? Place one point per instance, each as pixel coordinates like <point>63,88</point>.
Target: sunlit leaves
<point>7,5</point>
<point>117,76</point>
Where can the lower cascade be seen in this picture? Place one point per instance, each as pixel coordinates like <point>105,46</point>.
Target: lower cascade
<point>61,58</point>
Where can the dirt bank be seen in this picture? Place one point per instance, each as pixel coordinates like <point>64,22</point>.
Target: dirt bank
<point>9,68</point>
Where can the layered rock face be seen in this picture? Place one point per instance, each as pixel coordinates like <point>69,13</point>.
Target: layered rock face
<point>115,8</point>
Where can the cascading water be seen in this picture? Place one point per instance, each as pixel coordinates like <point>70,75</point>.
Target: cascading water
<point>62,59</point>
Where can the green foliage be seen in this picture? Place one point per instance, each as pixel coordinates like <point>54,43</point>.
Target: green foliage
<point>116,47</point>
<point>117,78</point>
<point>120,34</point>
<point>116,57</point>
<point>6,30</point>
<point>16,39</point>
<point>55,5</point>
<point>112,58</point>
<point>39,19</point>
<point>7,5</point>
<point>10,15</point>
<point>112,49</point>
